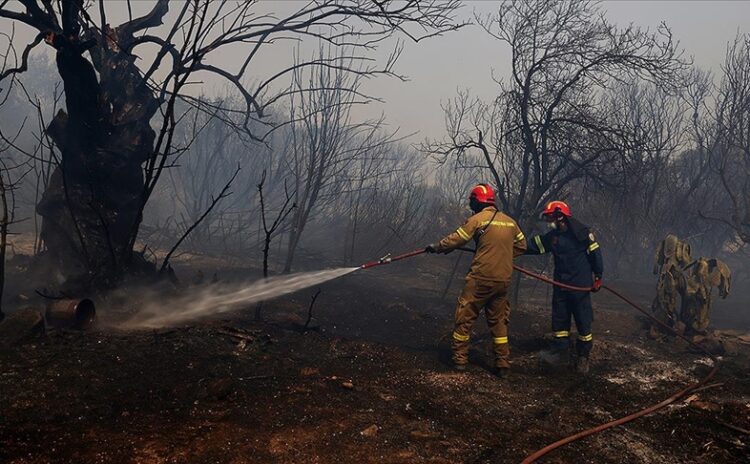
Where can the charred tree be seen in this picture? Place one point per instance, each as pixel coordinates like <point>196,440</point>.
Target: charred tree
<point>546,128</point>
<point>724,134</point>
<point>326,141</point>
<point>269,231</point>
<point>94,195</point>
<point>113,147</point>
<point>5,219</point>
<point>10,176</point>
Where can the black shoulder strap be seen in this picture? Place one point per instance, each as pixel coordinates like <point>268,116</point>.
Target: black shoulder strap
<point>481,231</point>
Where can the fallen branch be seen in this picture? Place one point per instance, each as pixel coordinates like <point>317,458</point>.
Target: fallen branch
<point>713,385</point>
<point>238,330</point>
<point>733,427</point>
<point>255,377</point>
<point>51,297</point>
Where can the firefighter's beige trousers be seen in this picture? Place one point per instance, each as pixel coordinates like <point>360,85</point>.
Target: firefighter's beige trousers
<point>493,297</point>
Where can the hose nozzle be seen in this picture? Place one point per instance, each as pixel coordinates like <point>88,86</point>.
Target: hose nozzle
<point>387,259</point>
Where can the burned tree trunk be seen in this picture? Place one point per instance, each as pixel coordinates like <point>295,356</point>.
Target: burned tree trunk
<point>94,196</point>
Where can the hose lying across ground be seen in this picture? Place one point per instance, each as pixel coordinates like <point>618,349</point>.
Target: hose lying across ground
<point>643,412</point>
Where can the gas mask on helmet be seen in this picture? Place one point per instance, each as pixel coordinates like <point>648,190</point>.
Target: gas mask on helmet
<point>553,222</point>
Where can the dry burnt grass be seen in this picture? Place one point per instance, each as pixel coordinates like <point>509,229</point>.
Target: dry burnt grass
<point>370,384</point>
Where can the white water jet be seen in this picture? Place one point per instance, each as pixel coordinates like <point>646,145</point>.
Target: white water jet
<point>217,300</point>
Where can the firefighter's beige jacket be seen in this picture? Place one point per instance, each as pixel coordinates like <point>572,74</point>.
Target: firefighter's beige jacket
<point>501,241</point>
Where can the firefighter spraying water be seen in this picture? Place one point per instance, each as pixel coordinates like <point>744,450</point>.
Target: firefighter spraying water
<point>498,240</point>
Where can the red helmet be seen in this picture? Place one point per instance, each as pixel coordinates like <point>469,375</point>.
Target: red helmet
<point>557,206</point>
<point>483,193</point>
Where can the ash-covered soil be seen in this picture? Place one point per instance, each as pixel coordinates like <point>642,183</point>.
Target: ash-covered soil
<point>370,383</point>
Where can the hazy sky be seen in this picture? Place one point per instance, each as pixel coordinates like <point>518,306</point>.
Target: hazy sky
<point>467,58</point>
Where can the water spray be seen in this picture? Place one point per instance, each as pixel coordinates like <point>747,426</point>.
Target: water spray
<point>210,301</point>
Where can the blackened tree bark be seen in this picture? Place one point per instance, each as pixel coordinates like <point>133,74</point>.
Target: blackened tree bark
<point>104,137</point>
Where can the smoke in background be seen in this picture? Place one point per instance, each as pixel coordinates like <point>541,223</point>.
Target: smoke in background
<point>220,299</point>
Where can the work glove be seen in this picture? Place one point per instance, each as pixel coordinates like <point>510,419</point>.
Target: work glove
<point>431,248</point>
<point>597,285</point>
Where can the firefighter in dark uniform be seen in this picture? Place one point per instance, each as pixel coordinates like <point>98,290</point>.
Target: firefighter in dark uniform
<point>578,262</point>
